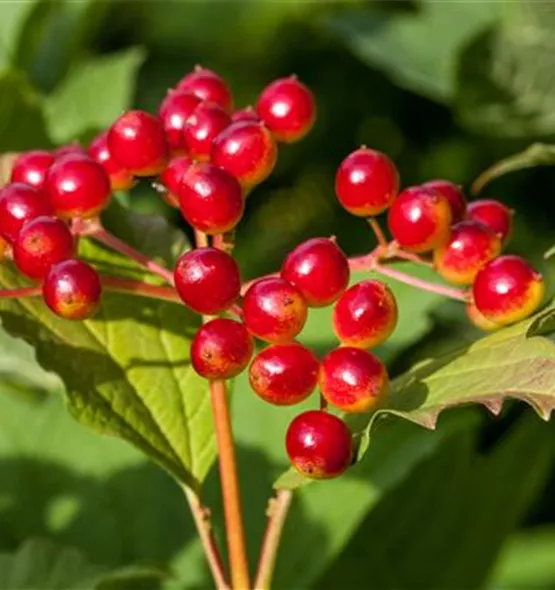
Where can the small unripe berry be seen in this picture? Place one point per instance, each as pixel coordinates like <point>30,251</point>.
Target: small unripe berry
<point>508,289</point>
<point>174,111</point>
<point>172,177</point>
<point>19,204</point>
<point>274,310</point>
<point>470,246</point>
<point>245,114</point>
<point>208,86</point>
<point>366,182</point>
<point>353,380</point>
<point>203,125</point>
<point>284,374</point>
<point>120,178</point>
<point>319,445</point>
<point>221,349</point>
<point>453,193</point>
<point>419,219</point>
<point>319,269</point>
<point>207,280</point>
<point>246,150</point>
<point>42,243</point>
<point>478,319</point>
<point>365,315</point>
<point>138,142</point>
<point>31,167</point>
<point>493,214</point>
<point>72,290</point>
<point>210,199</point>
<point>288,108</point>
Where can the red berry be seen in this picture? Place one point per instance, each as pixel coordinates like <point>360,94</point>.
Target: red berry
<point>42,243</point>
<point>72,149</point>
<point>174,111</point>
<point>208,86</point>
<point>319,269</point>
<point>201,128</point>
<point>138,142</point>
<point>211,200</point>
<point>288,108</point>
<point>494,214</point>
<point>319,445</point>
<point>508,289</point>
<point>469,248</point>
<point>284,374</point>
<point>247,150</point>
<point>246,114</point>
<point>274,310</point>
<point>478,319</point>
<point>72,290</point>
<point>221,349</point>
<point>172,177</point>
<point>419,219</point>
<point>366,182</point>
<point>120,178</point>
<point>453,193</point>
<point>19,203</point>
<point>31,167</point>
<point>365,315</point>
<point>207,280</point>
<point>352,379</point>
<point>78,186</point>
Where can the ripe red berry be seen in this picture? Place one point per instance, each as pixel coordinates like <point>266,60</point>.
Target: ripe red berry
<point>245,114</point>
<point>284,374</point>
<point>508,289</point>
<point>288,108</point>
<point>210,199</point>
<point>274,310</point>
<point>138,142</point>
<point>208,86</point>
<point>319,269</point>
<point>206,122</point>
<point>247,150</point>
<point>72,149</point>
<point>42,243</point>
<point>319,445</point>
<point>31,167</point>
<point>453,193</point>
<point>174,111</point>
<point>494,214</point>
<point>478,319</point>
<point>72,290</point>
<point>120,178</point>
<point>365,315</point>
<point>172,177</point>
<point>470,246</point>
<point>419,219</point>
<point>207,280</point>
<point>221,349</point>
<point>366,182</point>
<point>19,203</point>
<point>77,186</point>
<point>352,379</point>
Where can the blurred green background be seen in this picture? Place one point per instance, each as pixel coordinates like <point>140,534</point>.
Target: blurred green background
<point>446,88</point>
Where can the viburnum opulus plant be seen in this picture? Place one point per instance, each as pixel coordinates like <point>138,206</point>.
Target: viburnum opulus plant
<point>206,159</point>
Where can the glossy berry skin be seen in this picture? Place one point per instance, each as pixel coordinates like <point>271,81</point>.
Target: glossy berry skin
<point>221,349</point>
<point>245,114</point>
<point>353,380</point>
<point>288,108</point>
<point>138,142</point>
<point>206,122</point>
<point>508,289</point>
<point>72,149</point>
<point>284,374</point>
<point>319,269</point>
<point>72,290</point>
<point>42,243</point>
<point>31,167</point>
<point>453,193</point>
<point>478,319</point>
<point>120,178</point>
<point>319,445</point>
<point>210,199</point>
<point>19,204</point>
<point>172,177</point>
<point>365,315</point>
<point>419,219</point>
<point>274,310</point>
<point>174,111</point>
<point>493,214</point>
<point>208,86</point>
<point>78,187</point>
<point>207,280</point>
<point>470,246</point>
<point>246,150</point>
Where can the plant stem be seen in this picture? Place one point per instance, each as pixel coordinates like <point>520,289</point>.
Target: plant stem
<point>140,289</point>
<point>23,292</point>
<point>378,232</point>
<point>201,239</point>
<point>396,252</point>
<point>277,513</point>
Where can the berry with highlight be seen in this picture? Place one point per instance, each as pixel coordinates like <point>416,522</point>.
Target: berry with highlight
<point>31,167</point>
<point>208,86</point>
<point>174,111</point>
<point>203,125</point>
<point>493,214</point>
<point>453,193</point>
<point>120,178</point>
<point>19,204</point>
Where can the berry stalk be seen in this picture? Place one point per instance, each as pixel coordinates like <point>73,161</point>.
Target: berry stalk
<point>378,232</point>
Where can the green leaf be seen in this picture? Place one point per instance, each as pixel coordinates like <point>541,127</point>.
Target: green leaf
<point>13,14</point>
